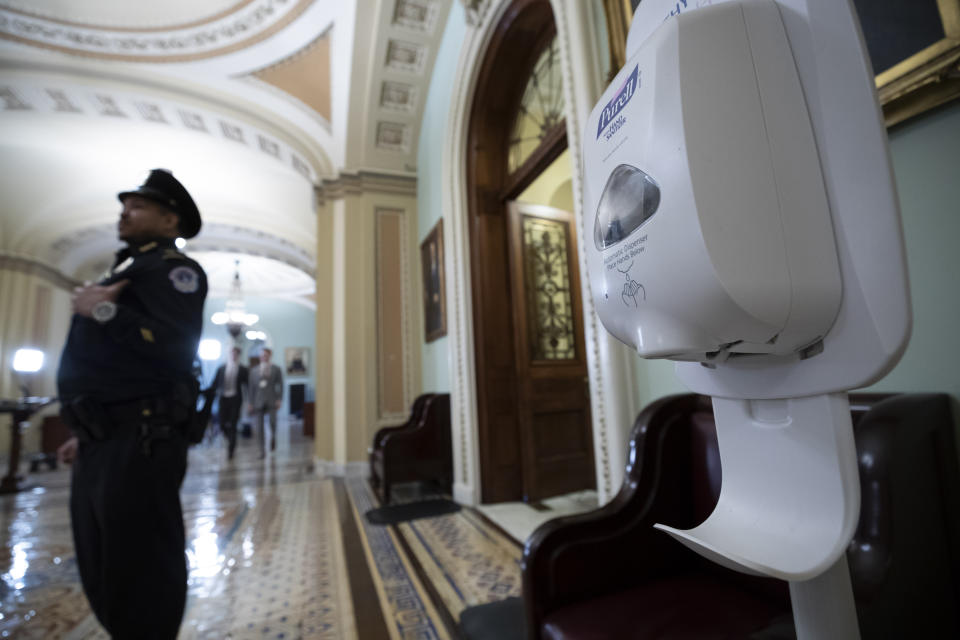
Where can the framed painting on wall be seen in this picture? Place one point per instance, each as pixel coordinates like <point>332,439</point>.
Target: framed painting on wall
<point>914,47</point>
<point>434,299</point>
<point>297,360</point>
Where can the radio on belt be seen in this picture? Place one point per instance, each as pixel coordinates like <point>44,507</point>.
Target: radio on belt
<point>740,218</point>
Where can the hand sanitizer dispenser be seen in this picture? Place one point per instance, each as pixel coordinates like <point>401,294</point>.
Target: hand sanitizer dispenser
<point>741,219</point>
<point>703,170</point>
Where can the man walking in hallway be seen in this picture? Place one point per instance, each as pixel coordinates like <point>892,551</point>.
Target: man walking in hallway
<point>230,380</point>
<point>266,396</point>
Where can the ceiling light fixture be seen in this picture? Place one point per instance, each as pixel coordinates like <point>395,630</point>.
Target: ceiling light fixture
<point>234,314</point>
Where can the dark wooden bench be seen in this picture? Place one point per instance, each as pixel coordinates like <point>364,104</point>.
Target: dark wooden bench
<point>609,574</point>
<point>417,451</point>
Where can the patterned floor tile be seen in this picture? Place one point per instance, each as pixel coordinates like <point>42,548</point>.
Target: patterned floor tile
<point>266,556</point>
<point>264,551</point>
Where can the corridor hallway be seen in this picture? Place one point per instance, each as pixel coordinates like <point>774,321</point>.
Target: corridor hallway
<point>274,551</point>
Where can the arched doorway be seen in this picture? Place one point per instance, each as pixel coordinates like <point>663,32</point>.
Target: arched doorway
<point>533,405</point>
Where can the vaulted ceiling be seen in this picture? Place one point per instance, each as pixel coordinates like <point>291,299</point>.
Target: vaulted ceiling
<point>251,103</point>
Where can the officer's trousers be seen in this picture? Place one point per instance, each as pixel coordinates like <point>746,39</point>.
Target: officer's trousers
<point>128,533</point>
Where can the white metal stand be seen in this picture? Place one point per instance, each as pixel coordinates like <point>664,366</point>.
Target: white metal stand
<point>823,607</point>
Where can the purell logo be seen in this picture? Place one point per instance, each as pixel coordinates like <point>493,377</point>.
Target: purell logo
<point>619,101</point>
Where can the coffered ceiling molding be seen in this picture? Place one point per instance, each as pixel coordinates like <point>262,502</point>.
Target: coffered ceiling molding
<point>393,136</point>
<point>406,56</point>
<point>418,15</point>
<point>398,70</point>
<point>399,96</point>
<point>247,23</point>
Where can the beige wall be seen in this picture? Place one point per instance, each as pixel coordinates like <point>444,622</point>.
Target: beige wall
<point>34,312</point>
<point>353,322</point>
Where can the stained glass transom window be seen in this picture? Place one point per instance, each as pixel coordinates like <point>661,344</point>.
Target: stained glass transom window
<point>541,108</point>
<point>547,274</point>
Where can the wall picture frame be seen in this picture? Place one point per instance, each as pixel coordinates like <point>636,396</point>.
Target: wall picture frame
<point>914,46</point>
<point>434,295</point>
<point>297,361</point>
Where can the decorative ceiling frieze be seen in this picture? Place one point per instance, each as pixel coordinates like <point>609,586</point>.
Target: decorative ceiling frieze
<point>249,23</point>
<point>73,100</point>
<point>230,238</point>
<point>68,256</point>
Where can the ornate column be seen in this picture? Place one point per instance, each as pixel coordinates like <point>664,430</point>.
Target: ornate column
<point>367,321</point>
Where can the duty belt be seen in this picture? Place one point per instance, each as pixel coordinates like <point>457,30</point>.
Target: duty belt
<point>95,421</point>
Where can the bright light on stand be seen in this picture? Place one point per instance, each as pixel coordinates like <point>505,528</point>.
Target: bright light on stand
<point>28,360</point>
<point>209,349</point>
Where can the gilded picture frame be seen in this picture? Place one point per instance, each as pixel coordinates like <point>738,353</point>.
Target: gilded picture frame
<point>434,297</point>
<point>925,69</point>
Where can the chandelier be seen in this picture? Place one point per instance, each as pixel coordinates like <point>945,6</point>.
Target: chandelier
<point>234,314</point>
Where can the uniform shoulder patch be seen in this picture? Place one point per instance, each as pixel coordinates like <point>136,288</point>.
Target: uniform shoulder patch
<point>185,279</point>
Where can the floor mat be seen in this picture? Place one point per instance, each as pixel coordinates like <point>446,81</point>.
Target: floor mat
<point>397,513</point>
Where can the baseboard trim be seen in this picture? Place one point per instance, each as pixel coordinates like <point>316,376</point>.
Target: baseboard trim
<point>464,494</point>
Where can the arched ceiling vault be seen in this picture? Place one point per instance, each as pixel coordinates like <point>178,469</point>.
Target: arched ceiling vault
<point>251,103</point>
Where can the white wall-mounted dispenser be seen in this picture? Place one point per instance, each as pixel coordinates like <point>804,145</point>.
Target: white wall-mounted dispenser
<point>741,219</point>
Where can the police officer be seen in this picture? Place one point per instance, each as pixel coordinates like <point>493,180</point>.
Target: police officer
<point>126,391</point>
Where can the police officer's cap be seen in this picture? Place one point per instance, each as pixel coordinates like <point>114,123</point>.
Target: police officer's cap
<point>162,187</point>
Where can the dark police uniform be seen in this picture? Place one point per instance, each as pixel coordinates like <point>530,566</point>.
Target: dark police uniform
<point>127,391</point>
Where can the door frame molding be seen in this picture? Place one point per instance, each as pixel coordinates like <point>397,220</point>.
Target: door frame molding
<point>612,396</point>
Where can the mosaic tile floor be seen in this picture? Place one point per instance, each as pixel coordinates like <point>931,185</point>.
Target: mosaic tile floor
<point>266,549</point>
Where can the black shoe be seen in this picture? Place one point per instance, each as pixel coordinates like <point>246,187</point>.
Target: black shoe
<point>273,444</point>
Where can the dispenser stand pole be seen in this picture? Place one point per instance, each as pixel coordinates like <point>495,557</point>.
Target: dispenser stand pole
<point>823,607</point>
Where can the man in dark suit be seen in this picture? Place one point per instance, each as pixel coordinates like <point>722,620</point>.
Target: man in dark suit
<point>265,397</point>
<point>231,379</point>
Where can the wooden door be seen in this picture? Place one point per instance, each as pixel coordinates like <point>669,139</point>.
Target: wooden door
<point>552,384</point>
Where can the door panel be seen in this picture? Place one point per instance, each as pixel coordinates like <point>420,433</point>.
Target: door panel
<point>552,384</point>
